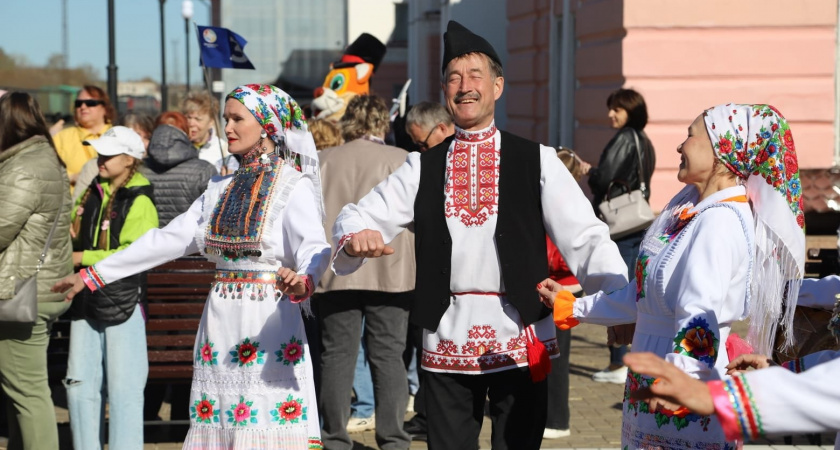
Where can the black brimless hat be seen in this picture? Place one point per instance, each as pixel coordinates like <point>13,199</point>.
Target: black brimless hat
<point>366,48</point>
<point>458,41</point>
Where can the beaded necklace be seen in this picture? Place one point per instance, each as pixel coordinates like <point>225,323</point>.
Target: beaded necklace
<point>236,226</point>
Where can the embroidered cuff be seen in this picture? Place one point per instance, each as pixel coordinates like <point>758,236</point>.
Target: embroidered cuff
<point>725,411</point>
<point>341,243</point>
<point>91,278</point>
<point>795,365</point>
<point>736,407</point>
<point>310,288</point>
<point>564,303</point>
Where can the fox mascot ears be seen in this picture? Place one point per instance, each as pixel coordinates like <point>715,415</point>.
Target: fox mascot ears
<point>348,77</point>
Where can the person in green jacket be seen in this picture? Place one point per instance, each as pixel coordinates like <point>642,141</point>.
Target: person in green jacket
<point>107,332</point>
<point>35,193</point>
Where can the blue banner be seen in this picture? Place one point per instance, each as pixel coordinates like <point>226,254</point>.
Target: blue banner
<point>222,48</point>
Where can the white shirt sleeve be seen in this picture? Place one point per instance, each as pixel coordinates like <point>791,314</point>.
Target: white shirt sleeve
<point>608,309</point>
<point>700,286</point>
<point>819,293</point>
<point>809,402</point>
<point>155,247</point>
<point>583,239</point>
<point>303,232</point>
<point>388,208</point>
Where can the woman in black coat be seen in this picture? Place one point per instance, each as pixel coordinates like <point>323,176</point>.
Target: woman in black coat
<point>617,173</point>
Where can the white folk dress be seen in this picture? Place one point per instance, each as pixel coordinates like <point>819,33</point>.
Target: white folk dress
<point>481,331</point>
<point>252,382</point>
<point>692,282</point>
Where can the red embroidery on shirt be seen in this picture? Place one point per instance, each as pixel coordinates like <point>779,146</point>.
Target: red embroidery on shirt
<point>475,136</point>
<point>481,352</point>
<point>472,186</point>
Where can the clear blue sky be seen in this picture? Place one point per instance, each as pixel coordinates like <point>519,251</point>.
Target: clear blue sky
<point>32,28</point>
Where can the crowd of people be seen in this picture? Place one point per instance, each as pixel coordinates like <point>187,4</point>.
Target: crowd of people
<point>355,279</point>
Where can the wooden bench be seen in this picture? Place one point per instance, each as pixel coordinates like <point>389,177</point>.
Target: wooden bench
<point>176,294</point>
<point>821,262</point>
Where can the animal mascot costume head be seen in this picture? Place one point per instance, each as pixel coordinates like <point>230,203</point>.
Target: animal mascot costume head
<point>348,77</point>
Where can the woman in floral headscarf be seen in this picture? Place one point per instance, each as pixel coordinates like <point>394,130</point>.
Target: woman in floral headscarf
<point>263,227</point>
<point>730,245</point>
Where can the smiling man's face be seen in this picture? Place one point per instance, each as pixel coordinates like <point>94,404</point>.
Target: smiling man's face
<point>471,91</point>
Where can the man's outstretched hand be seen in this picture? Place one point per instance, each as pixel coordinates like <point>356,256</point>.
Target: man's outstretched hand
<point>367,244</point>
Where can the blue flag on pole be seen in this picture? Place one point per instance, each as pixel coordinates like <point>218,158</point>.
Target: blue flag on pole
<point>222,48</point>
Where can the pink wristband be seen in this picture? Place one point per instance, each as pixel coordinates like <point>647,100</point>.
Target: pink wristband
<point>90,278</point>
<point>725,411</point>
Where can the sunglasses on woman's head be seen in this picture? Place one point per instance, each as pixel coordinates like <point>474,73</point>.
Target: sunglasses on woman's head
<point>89,103</point>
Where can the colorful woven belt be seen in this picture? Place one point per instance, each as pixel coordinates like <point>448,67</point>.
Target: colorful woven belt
<point>252,284</point>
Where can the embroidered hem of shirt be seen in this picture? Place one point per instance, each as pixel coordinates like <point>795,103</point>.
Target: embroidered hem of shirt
<point>483,357</point>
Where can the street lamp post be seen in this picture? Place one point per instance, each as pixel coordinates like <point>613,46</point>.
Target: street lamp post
<point>112,58</point>
<point>163,91</point>
<point>187,12</point>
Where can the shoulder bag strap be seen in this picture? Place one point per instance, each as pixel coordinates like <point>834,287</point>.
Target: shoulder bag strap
<point>49,241</point>
<point>642,184</point>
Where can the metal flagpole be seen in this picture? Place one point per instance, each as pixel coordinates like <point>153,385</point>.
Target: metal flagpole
<point>209,87</point>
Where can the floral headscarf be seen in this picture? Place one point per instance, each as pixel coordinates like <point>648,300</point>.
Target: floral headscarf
<point>282,119</point>
<point>755,143</point>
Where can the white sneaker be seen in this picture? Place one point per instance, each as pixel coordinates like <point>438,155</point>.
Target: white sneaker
<point>359,424</point>
<point>410,406</point>
<point>554,433</point>
<point>617,376</point>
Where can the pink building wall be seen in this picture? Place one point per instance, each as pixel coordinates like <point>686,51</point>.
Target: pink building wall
<point>683,56</point>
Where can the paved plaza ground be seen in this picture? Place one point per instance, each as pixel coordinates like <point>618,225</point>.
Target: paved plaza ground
<point>595,407</point>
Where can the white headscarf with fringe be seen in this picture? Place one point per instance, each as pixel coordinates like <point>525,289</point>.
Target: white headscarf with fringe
<point>755,143</point>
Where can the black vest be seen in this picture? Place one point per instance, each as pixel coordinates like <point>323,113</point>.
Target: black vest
<point>115,302</point>
<point>520,233</point>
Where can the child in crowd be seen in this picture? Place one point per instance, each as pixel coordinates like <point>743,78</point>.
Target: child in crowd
<point>107,325</point>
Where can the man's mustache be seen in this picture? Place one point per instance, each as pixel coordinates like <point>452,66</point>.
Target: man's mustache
<point>466,96</point>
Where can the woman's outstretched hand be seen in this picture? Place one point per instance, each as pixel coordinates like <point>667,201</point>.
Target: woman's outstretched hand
<point>548,289</point>
<point>747,361</point>
<point>290,283</point>
<point>73,282</point>
<point>672,387</point>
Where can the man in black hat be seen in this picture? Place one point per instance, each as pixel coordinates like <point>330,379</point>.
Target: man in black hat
<point>481,203</point>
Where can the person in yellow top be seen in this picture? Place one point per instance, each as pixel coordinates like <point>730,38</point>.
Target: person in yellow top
<point>94,115</point>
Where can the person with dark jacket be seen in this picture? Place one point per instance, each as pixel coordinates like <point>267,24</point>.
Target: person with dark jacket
<point>174,169</point>
<point>107,332</point>
<point>618,173</point>
<point>36,193</point>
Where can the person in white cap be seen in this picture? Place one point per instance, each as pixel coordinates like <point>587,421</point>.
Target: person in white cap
<point>107,325</point>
